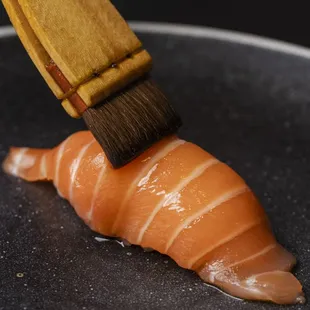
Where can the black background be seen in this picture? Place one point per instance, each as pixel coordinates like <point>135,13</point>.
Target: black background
<point>289,22</point>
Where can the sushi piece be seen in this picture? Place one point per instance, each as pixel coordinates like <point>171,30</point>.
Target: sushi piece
<point>176,199</point>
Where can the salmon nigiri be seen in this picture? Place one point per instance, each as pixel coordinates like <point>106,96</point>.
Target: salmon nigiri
<point>176,199</point>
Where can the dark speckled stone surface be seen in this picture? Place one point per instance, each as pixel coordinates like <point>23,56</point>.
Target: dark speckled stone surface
<point>248,106</point>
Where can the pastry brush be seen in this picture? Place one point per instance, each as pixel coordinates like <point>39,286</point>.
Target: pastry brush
<point>98,68</point>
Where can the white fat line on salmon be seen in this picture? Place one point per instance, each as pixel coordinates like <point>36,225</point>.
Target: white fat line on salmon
<point>145,171</point>
<point>75,167</point>
<point>223,241</point>
<point>197,172</point>
<point>16,160</point>
<point>89,214</point>
<point>43,169</point>
<point>252,279</point>
<point>265,250</point>
<point>212,205</point>
<point>59,156</point>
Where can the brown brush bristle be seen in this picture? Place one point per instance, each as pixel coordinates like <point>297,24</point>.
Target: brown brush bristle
<point>132,120</point>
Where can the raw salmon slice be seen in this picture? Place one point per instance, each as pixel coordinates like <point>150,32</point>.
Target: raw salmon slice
<point>177,199</point>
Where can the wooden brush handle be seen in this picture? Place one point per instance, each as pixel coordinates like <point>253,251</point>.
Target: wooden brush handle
<point>89,43</point>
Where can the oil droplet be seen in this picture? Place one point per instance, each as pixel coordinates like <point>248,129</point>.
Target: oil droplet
<point>19,275</point>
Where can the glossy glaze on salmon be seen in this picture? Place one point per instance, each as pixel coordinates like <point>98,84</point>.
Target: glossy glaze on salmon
<point>176,199</point>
